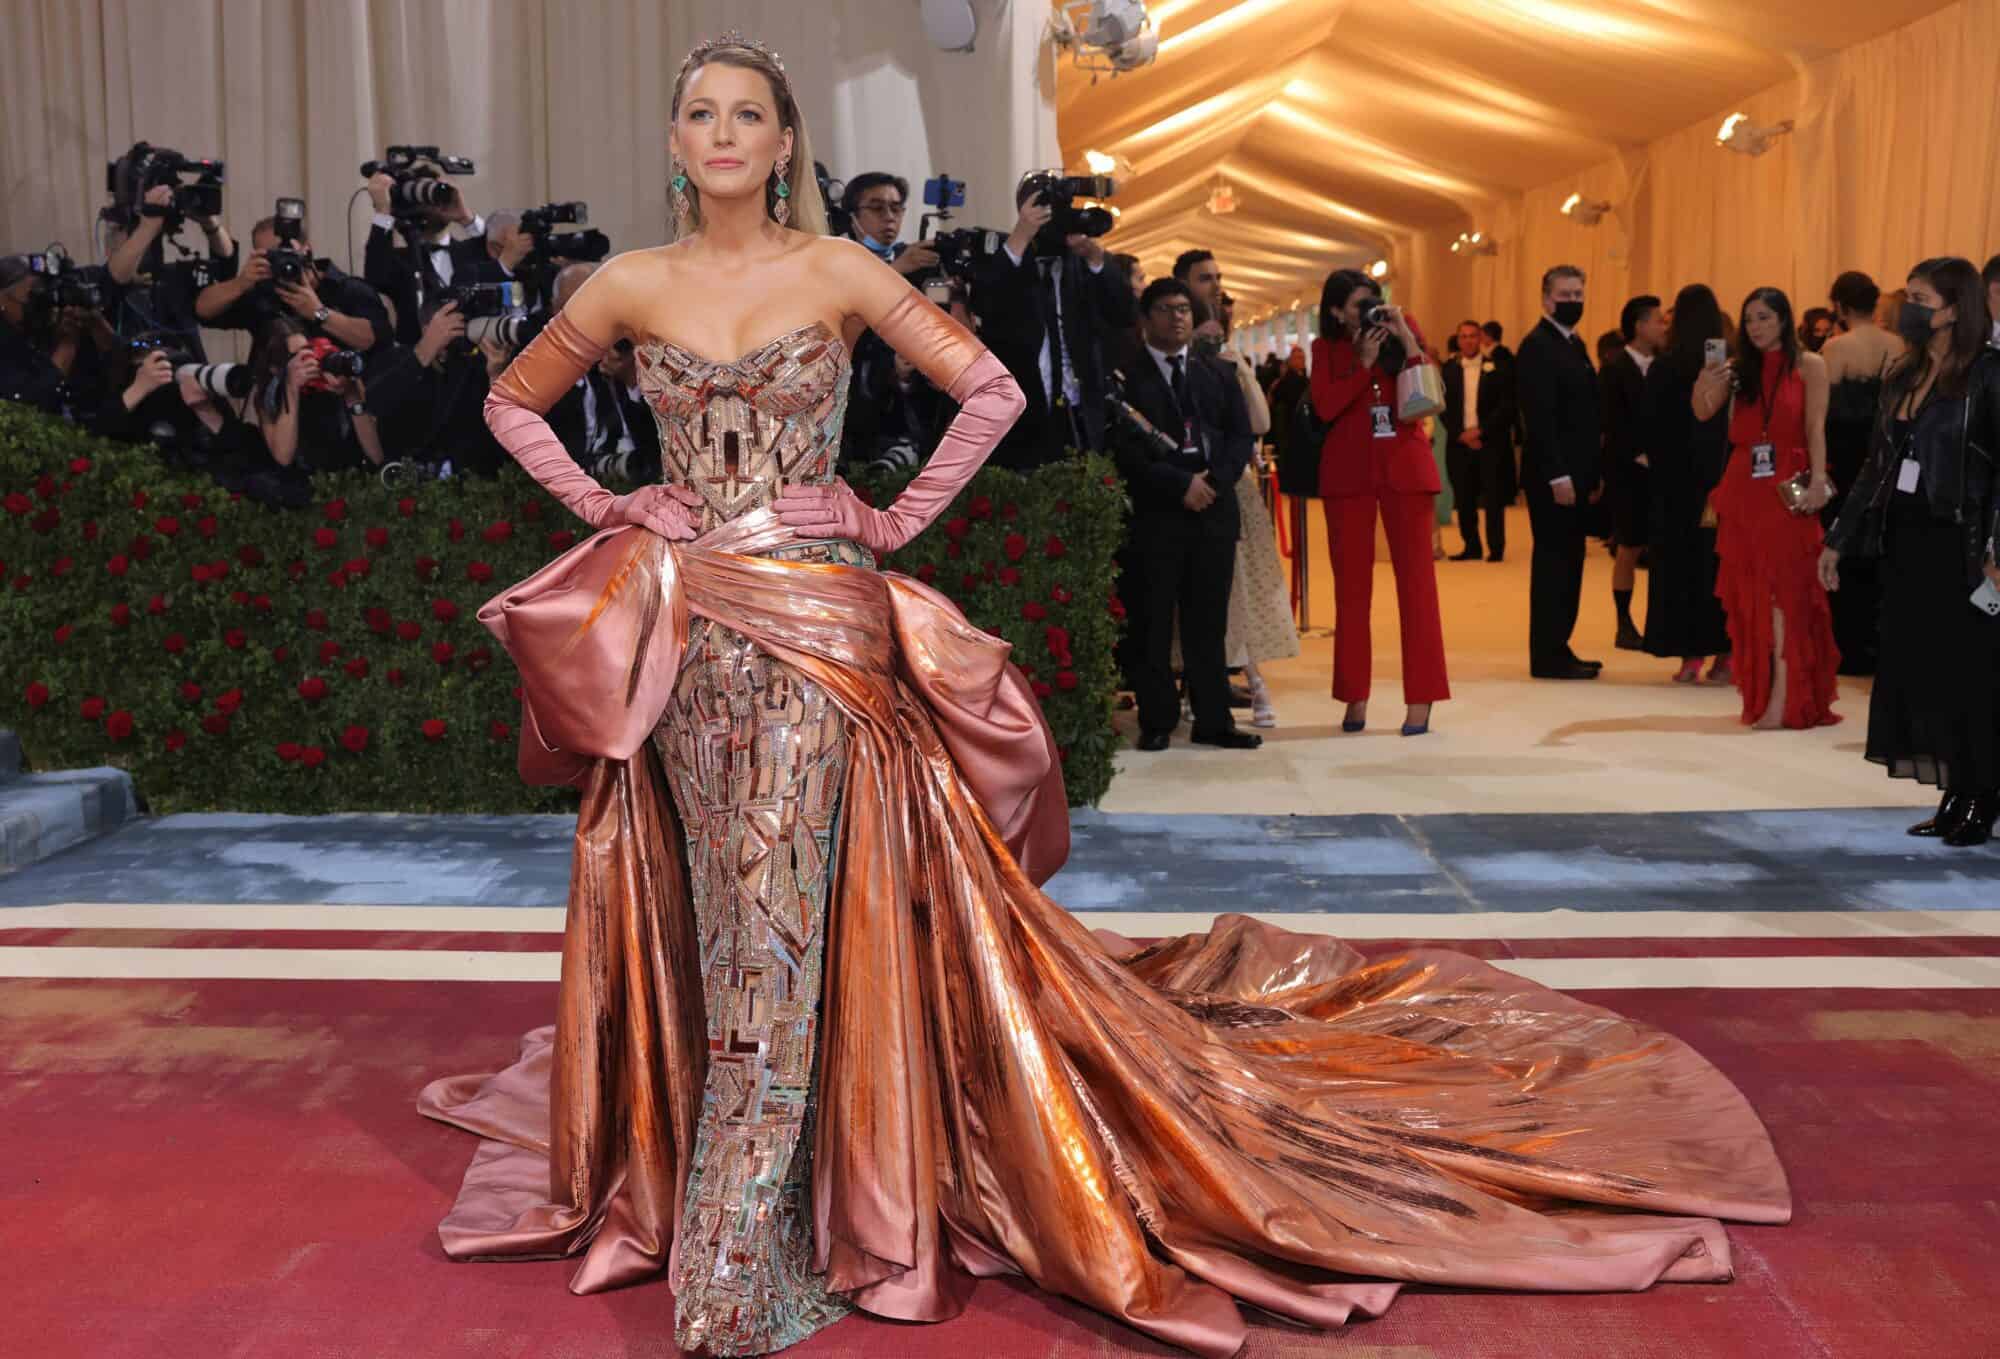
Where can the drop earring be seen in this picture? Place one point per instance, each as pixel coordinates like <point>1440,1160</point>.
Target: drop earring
<point>683,210</point>
<point>781,211</point>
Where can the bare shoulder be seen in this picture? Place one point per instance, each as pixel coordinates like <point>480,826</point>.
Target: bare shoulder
<point>1812,367</point>
<point>860,284</point>
<point>610,303</point>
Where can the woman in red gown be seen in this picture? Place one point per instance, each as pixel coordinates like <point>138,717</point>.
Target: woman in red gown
<point>1780,627</point>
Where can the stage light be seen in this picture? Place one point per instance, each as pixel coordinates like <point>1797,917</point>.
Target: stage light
<point>1099,163</point>
<point>1584,211</point>
<point>1740,135</point>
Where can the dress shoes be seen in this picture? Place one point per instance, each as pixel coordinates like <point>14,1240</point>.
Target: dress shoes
<point>1575,659</point>
<point>1630,638</point>
<point>1950,811</point>
<point>1230,738</point>
<point>1981,811</point>
<point>1496,557</point>
<point>1471,554</point>
<point>1565,670</point>
<point>1155,740</point>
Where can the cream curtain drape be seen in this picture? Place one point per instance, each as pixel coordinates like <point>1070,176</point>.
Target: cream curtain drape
<point>553,99</point>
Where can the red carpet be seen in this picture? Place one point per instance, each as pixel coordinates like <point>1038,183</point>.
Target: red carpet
<point>200,1169</point>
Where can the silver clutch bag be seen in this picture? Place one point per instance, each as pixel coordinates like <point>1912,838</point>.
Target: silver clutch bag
<point>1794,490</point>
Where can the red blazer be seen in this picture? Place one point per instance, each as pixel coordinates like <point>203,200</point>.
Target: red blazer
<point>1353,461</point>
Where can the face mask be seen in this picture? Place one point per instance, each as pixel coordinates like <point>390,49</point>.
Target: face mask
<point>1913,322</point>
<point>1567,314</point>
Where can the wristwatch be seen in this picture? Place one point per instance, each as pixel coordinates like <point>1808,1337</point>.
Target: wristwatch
<point>319,317</point>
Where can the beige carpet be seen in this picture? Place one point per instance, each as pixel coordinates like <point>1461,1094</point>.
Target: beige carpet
<point>1630,741</point>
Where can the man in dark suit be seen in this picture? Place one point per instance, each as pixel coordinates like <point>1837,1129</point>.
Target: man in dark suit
<point>1642,326</point>
<point>1047,307</point>
<point>408,262</point>
<point>1559,467</point>
<point>1479,447</point>
<point>1181,549</point>
<point>602,419</point>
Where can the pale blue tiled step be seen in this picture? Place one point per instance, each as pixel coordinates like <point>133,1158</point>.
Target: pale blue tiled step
<point>10,755</point>
<point>44,814</point>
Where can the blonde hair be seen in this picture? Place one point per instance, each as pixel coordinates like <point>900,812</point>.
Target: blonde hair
<point>808,208</point>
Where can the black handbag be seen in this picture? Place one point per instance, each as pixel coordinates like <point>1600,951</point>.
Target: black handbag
<point>1298,455</point>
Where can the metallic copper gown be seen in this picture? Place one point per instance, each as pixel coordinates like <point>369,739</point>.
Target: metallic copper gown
<point>822,1043</point>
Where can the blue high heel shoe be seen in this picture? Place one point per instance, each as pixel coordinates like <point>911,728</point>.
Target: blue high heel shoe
<point>1417,728</point>
<point>1346,725</point>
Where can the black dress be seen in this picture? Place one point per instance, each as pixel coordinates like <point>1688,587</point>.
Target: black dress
<point>1934,715</point>
<point>1851,404</point>
<point>1683,616</point>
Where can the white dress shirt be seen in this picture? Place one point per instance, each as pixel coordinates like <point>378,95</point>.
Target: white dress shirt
<point>1471,368</point>
<point>439,245</point>
<point>1644,361</point>
<point>1070,390</point>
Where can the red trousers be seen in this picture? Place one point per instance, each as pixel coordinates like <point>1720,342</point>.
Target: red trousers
<point>1350,530</point>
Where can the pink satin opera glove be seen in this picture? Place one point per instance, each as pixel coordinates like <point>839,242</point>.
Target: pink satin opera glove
<point>989,402</point>
<point>536,379</point>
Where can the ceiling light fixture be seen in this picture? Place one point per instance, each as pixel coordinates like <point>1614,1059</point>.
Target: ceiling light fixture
<point>1099,163</point>
<point>1221,199</point>
<point>1379,270</point>
<point>1104,35</point>
<point>1584,211</point>
<point>1741,135</point>
<point>1475,243</point>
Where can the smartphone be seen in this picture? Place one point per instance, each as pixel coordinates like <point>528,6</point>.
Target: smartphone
<point>944,192</point>
<point>1714,352</point>
<point>1986,599</point>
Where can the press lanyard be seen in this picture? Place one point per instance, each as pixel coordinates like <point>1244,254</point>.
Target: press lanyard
<point>1378,411</point>
<point>1763,453</point>
<point>1909,471</point>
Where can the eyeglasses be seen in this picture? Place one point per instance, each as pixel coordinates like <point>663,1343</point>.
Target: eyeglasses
<point>887,209</point>
<point>1174,308</point>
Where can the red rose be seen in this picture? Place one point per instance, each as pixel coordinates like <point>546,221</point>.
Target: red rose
<point>1033,612</point>
<point>215,724</point>
<point>205,526</point>
<point>166,526</point>
<point>1057,639</point>
<point>954,549</point>
<point>478,571</point>
<point>406,507</point>
<point>92,708</point>
<point>562,540</point>
<point>189,500</point>
<point>478,658</point>
<point>1042,689</point>
<point>261,603</point>
<point>957,526</point>
<point>1065,679</point>
<point>358,667</point>
<point>118,726</point>
<point>121,614</point>
<point>1054,547</point>
<point>23,581</point>
<point>980,507</point>
<point>986,570</point>
<point>79,465</point>
<point>355,739</point>
<point>141,547</point>
<point>358,566</point>
<point>228,701</point>
<point>499,531</point>
<point>337,579</point>
<point>378,618</point>
<point>176,739</point>
<point>290,751</point>
<point>63,633</point>
<point>45,486</point>
<point>316,619</point>
<point>1062,507</point>
<point>455,530</point>
<point>968,581</point>
<point>46,521</point>
<point>531,510</point>
<point>37,694</point>
<point>312,688</point>
<point>157,605</point>
<point>240,598</point>
<point>408,631</point>
<point>198,573</point>
<point>295,569</point>
<point>442,653</point>
<point>1117,608</point>
<point>327,651</point>
<point>312,757</point>
<point>443,610</point>
<point>1009,510</point>
<point>250,554</point>
<point>90,530</point>
<point>426,567</point>
<point>1015,547</point>
<point>1110,480</point>
<point>927,573</point>
<point>281,653</point>
<point>500,731</point>
<point>325,537</point>
<point>1059,594</point>
<point>174,643</point>
<point>336,510</point>
<point>190,691</point>
<point>139,499</point>
<point>235,639</point>
<point>395,677</point>
<point>377,537</point>
<point>119,565</point>
<point>434,729</point>
<point>18,504</point>
<point>517,693</point>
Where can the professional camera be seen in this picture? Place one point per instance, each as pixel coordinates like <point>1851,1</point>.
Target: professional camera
<point>959,251</point>
<point>476,300</point>
<point>1059,194</point>
<point>553,249</point>
<point>1377,314</point>
<point>418,172</point>
<point>61,282</point>
<point>197,186</point>
<point>512,331</point>
<point>223,381</point>
<point>839,222</point>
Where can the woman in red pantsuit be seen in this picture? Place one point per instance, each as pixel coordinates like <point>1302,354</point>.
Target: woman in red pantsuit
<point>1780,625</point>
<point>1372,462</point>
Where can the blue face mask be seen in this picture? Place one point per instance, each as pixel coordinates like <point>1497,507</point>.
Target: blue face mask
<point>885,251</point>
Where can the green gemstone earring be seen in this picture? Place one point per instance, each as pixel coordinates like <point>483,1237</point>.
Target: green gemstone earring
<point>782,211</point>
<point>680,183</point>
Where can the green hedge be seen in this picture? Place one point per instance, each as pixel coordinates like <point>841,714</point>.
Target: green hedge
<point>233,657</point>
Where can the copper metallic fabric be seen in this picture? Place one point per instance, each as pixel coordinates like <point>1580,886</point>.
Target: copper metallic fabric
<point>988,1086</point>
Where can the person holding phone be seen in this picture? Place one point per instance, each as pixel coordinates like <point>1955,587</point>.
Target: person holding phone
<point>1768,503</point>
<point>1926,503</point>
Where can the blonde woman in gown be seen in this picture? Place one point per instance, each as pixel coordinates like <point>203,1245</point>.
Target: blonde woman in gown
<point>821,1043</point>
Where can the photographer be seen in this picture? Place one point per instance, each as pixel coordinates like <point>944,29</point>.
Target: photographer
<point>411,252</point>
<point>154,296</point>
<point>282,278</point>
<point>308,401</point>
<point>1046,305</point>
<point>167,397</point>
<point>505,247</point>
<point>875,203</point>
<point>428,398</point>
<point>602,420</point>
<point>54,339</point>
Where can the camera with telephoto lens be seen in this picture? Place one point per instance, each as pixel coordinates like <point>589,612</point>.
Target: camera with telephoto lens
<point>512,331</point>
<point>1059,194</point>
<point>1121,413</point>
<point>959,251</point>
<point>839,221</point>
<point>477,300</point>
<point>61,283</point>
<point>554,249</point>
<point>223,381</point>
<point>419,188</point>
<point>196,182</point>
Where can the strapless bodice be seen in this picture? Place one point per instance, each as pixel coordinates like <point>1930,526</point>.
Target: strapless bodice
<point>738,430</point>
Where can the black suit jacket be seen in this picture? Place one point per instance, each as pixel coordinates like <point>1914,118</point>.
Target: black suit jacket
<point>1495,416</point>
<point>1559,406</point>
<point>406,277</point>
<point>1157,483</point>
<point>1012,306</point>
<point>568,420</point>
<point>1622,388</point>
